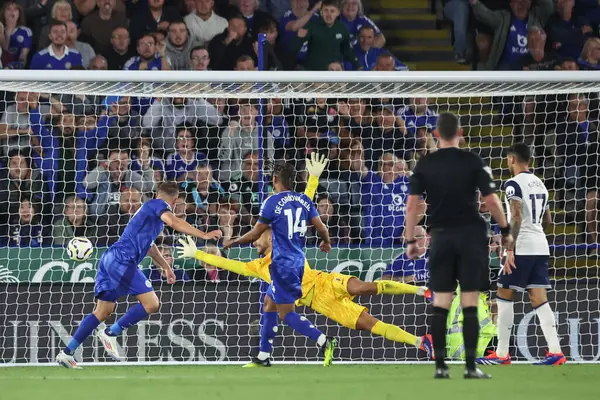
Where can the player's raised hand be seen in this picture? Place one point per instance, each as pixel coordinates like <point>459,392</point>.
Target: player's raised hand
<point>325,247</point>
<point>509,262</point>
<point>412,251</point>
<point>187,249</point>
<point>228,243</point>
<point>315,165</point>
<point>213,235</point>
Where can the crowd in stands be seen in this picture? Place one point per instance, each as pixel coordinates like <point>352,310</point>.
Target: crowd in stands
<point>80,165</point>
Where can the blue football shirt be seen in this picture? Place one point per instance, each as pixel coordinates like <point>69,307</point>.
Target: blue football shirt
<point>404,266</point>
<point>288,214</point>
<point>20,39</point>
<point>141,232</point>
<point>47,59</point>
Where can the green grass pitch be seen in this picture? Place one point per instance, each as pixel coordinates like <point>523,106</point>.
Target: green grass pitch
<point>302,382</point>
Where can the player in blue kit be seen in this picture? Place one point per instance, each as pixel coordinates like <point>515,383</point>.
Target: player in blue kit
<point>119,275</point>
<point>287,213</point>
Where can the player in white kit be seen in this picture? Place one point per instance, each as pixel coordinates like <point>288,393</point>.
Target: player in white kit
<point>526,262</point>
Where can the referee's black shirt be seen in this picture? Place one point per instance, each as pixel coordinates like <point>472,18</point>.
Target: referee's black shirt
<point>448,179</point>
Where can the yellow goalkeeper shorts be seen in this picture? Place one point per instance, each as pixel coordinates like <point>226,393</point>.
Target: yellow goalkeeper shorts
<point>331,299</point>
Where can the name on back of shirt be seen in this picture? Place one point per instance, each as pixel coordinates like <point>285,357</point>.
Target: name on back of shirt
<point>284,200</point>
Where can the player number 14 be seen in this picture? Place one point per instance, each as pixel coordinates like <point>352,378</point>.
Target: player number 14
<point>295,225</point>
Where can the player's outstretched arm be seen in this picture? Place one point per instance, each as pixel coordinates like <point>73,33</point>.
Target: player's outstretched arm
<point>249,237</point>
<point>181,226</point>
<point>492,202</point>
<point>188,249</point>
<point>160,261</point>
<point>315,165</point>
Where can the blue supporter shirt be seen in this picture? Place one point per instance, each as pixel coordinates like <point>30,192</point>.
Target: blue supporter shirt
<point>134,63</point>
<point>516,44</point>
<point>384,209</point>
<point>404,266</point>
<point>20,39</point>
<point>175,166</point>
<point>355,25</point>
<point>47,59</point>
<point>288,36</point>
<point>368,59</point>
<point>279,129</point>
<point>413,121</point>
<point>288,214</point>
<point>140,232</point>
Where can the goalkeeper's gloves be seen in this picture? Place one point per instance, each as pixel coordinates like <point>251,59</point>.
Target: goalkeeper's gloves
<point>188,249</point>
<point>316,164</point>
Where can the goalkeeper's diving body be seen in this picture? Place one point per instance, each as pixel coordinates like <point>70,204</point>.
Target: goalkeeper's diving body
<point>119,275</point>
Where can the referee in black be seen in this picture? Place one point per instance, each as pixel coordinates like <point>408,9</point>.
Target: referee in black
<point>448,180</point>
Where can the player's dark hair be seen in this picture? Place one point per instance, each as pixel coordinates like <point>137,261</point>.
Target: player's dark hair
<point>521,151</point>
<point>170,188</point>
<point>286,174</point>
<point>448,126</point>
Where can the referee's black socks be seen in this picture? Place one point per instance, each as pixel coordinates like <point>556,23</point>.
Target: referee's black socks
<point>438,334</point>
<point>470,335</point>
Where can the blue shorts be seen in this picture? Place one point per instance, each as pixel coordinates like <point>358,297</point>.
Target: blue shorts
<point>116,279</point>
<point>531,272</point>
<point>286,283</point>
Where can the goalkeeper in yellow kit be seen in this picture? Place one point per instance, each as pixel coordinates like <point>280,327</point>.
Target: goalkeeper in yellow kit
<point>329,294</point>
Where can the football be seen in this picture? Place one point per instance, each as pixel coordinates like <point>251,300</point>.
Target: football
<point>80,249</point>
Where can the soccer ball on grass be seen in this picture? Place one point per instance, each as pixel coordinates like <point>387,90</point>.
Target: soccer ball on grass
<point>80,249</point>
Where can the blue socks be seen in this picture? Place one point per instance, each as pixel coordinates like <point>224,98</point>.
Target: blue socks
<point>304,327</point>
<point>134,315</point>
<point>268,331</point>
<point>87,326</point>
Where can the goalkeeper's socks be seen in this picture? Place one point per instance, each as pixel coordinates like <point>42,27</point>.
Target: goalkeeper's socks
<point>304,327</point>
<point>470,335</point>
<point>394,333</point>
<point>135,314</point>
<point>87,326</point>
<point>548,325</point>
<point>393,287</point>
<point>438,334</point>
<point>506,320</point>
<point>268,331</point>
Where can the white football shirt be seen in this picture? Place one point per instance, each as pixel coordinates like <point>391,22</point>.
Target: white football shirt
<point>533,195</point>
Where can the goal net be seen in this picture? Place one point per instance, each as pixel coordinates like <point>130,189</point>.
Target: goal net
<point>81,152</point>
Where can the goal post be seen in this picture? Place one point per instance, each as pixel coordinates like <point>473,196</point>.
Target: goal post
<point>81,151</point>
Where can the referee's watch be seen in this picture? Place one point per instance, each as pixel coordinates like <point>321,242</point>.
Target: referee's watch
<point>505,231</point>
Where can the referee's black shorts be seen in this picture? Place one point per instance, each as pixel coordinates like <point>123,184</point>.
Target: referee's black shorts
<point>459,255</point>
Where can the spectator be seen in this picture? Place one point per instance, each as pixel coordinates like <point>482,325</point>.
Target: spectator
<point>383,199</point>
<point>510,30</point>
<point>126,124</point>
<point>61,11</point>
<point>254,17</point>
<point>155,274</point>
<point>144,163</point>
<point>178,46</point>
<point>240,137</point>
<point>165,115</point>
<point>274,51</point>
<point>74,223</point>
<point>26,229</point>
<point>199,58</point>
<point>20,176</point>
<point>568,64</point>
<point>226,48</point>
<point>119,51</point>
<point>276,8</point>
<point>458,12</point>
<point>367,54</point>
<point>417,115</point>
<point>577,141</point>
<point>86,7</point>
<point>337,226</point>
<point>275,123</point>
<point>590,9</point>
<point>335,66</point>
<point>590,55</point>
<point>204,24</point>
<point>385,62</point>
<point>295,19</point>
<point>107,180</point>
<point>148,57</point>
<point>538,59</point>
<point>328,40</point>
<point>118,215</point>
<point>354,19</point>
<point>244,63</point>
<point>155,17</point>
<point>390,136</point>
<point>86,51</point>
<point>407,270</point>
<point>57,56</point>
<point>100,27</point>
<point>18,37</point>
<point>566,32</point>
<point>98,63</point>
<point>185,157</point>
<point>14,124</point>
